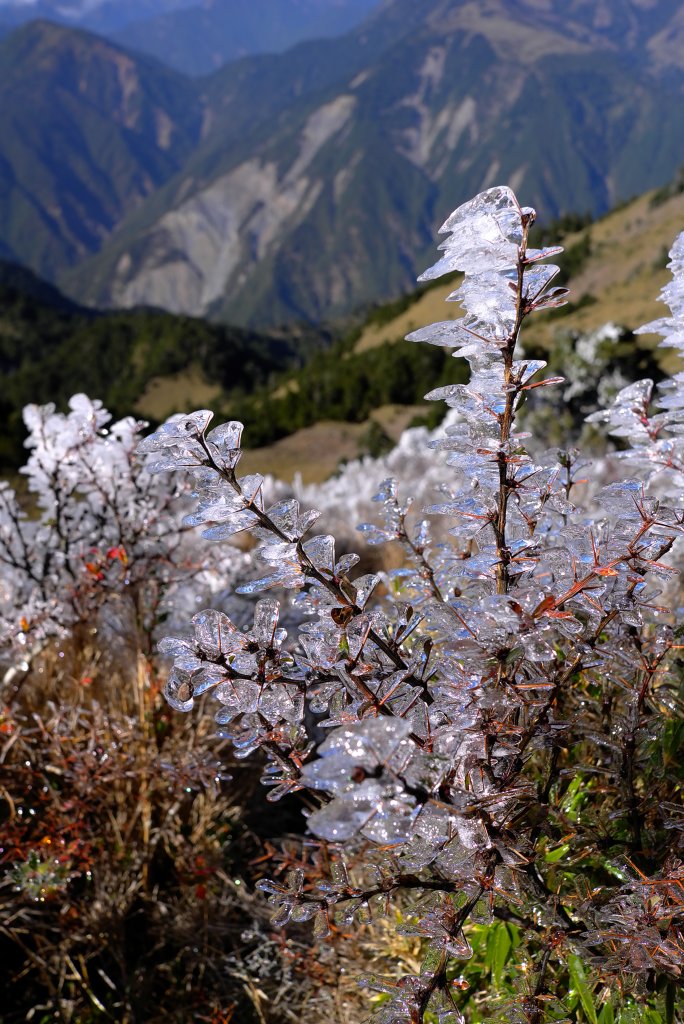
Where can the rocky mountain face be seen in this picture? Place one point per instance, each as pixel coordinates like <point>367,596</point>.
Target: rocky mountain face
<point>329,196</point>
<point>87,132</point>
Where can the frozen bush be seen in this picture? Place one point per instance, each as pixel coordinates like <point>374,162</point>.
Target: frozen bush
<point>500,716</point>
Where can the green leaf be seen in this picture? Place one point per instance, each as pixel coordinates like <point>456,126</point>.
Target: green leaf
<point>492,937</point>
<point>553,856</point>
<point>580,983</point>
<point>670,996</point>
<point>573,795</point>
<point>432,961</point>
<point>607,1014</point>
<point>502,947</point>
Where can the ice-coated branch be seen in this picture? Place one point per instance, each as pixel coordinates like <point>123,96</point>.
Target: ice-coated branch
<point>503,283</point>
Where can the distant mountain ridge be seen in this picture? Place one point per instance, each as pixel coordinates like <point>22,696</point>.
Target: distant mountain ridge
<point>206,36</point>
<point>196,36</point>
<point>103,17</point>
<point>304,185</point>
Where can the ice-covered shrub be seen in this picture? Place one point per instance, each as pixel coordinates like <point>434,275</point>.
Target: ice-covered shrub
<point>500,713</point>
<point>596,365</point>
<point>348,497</point>
<point>102,545</point>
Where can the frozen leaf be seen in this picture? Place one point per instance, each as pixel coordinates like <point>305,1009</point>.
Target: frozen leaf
<point>177,430</point>
<point>322,924</point>
<point>374,535</point>
<point>179,690</point>
<point>252,490</point>
<point>224,444</point>
<point>387,491</point>
<point>532,255</point>
<point>321,552</point>
<point>216,634</point>
<point>175,646</point>
<point>364,587</point>
<point>489,297</point>
<point>285,515</point>
<point>345,563</point>
<point>449,334</point>
<point>486,233</point>
<point>237,523</point>
<point>342,819</point>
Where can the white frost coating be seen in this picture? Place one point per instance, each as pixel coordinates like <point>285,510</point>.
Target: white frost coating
<point>485,234</point>
<point>347,498</point>
<point>105,531</point>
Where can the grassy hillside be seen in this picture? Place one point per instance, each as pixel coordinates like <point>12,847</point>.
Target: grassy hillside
<point>614,267</point>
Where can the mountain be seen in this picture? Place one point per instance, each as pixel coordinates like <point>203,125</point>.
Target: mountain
<point>88,132</point>
<point>322,189</point>
<point>199,38</point>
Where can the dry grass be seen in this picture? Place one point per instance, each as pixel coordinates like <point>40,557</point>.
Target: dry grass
<point>394,419</point>
<point>625,270</point>
<point>316,452</point>
<point>128,864</point>
<point>178,393</point>
<point>429,308</point>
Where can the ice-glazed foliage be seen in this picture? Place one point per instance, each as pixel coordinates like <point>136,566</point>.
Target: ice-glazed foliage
<point>651,420</point>
<point>103,544</point>
<point>483,728</point>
